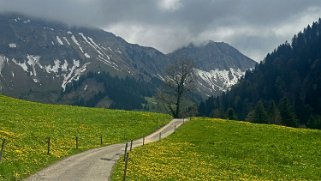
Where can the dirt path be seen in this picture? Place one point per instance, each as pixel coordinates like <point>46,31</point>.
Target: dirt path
<point>97,164</point>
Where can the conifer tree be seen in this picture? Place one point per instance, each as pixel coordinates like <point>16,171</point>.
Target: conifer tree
<point>315,122</point>
<point>250,116</point>
<point>287,113</point>
<point>231,114</point>
<point>260,113</point>
<point>274,116</point>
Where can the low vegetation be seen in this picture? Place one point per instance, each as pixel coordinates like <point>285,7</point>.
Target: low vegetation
<point>27,125</point>
<point>216,149</point>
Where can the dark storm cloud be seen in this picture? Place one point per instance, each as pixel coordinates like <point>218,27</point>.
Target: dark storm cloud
<point>74,12</point>
<point>254,27</point>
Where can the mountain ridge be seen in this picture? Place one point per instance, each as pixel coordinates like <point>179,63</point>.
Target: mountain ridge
<point>39,59</point>
<point>218,65</point>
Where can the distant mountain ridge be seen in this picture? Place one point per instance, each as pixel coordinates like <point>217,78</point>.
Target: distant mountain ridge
<point>218,65</point>
<point>40,59</point>
<point>214,55</point>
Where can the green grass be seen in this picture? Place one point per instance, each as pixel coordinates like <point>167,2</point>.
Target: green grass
<point>214,149</point>
<point>26,126</point>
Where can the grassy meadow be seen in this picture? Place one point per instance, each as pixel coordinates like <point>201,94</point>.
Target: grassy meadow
<point>26,126</point>
<point>215,149</point>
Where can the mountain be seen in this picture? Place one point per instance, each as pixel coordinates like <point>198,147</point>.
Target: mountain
<point>218,65</point>
<point>39,59</point>
<point>283,89</point>
<point>52,62</point>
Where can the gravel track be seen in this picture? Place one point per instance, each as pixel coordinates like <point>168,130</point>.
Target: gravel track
<point>97,164</point>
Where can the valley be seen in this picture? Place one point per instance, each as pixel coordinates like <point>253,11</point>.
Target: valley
<point>125,90</point>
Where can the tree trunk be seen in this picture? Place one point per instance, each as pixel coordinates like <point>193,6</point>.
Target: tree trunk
<point>178,104</point>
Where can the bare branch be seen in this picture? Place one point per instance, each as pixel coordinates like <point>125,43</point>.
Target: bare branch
<point>178,81</point>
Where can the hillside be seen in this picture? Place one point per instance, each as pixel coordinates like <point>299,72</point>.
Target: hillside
<point>27,125</point>
<point>283,89</point>
<point>215,149</point>
<point>41,59</point>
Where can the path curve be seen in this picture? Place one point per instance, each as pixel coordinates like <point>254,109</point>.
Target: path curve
<point>97,164</point>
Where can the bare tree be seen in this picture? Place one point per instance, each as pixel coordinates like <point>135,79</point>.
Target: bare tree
<point>178,81</point>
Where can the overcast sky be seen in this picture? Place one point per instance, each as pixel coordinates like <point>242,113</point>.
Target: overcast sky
<point>255,27</point>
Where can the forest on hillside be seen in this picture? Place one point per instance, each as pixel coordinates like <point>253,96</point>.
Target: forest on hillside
<point>124,93</point>
<point>283,89</point>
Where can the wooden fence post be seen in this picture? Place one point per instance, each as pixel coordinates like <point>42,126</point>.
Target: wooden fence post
<point>77,142</point>
<point>131,145</point>
<point>49,144</point>
<point>101,139</point>
<point>160,135</point>
<point>126,163</point>
<point>143,140</point>
<point>125,151</point>
<point>2,148</point>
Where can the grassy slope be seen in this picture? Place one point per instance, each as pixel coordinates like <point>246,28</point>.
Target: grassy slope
<point>26,126</point>
<point>213,149</point>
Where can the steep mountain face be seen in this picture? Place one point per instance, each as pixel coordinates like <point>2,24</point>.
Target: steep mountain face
<point>37,57</point>
<point>51,62</point>
<point>218,65</point>
<point>284,89</point>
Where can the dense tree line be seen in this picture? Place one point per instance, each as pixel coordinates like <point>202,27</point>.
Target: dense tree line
<point>283,89</point>
<point>125,93</point>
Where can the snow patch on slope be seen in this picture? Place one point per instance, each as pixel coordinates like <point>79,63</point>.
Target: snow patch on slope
<point>66,40</point>
<point>2,62</point>
<point>218,80</point>
<point>91,43</point>
<point>27,21</point>
<point>112,64</point>
<point>59,40</point>
<point>76,63</point>
<point>102,56</point>
<point>12,45</point>
<point>87,55</point>
<point>64,67</point>
<point>77,43</point>
<point>17,19</point>
<point>54,68</point>
<point>22,65</point>
<point>74,73</point>
<point>33,61</point>
<point>95,46</point>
